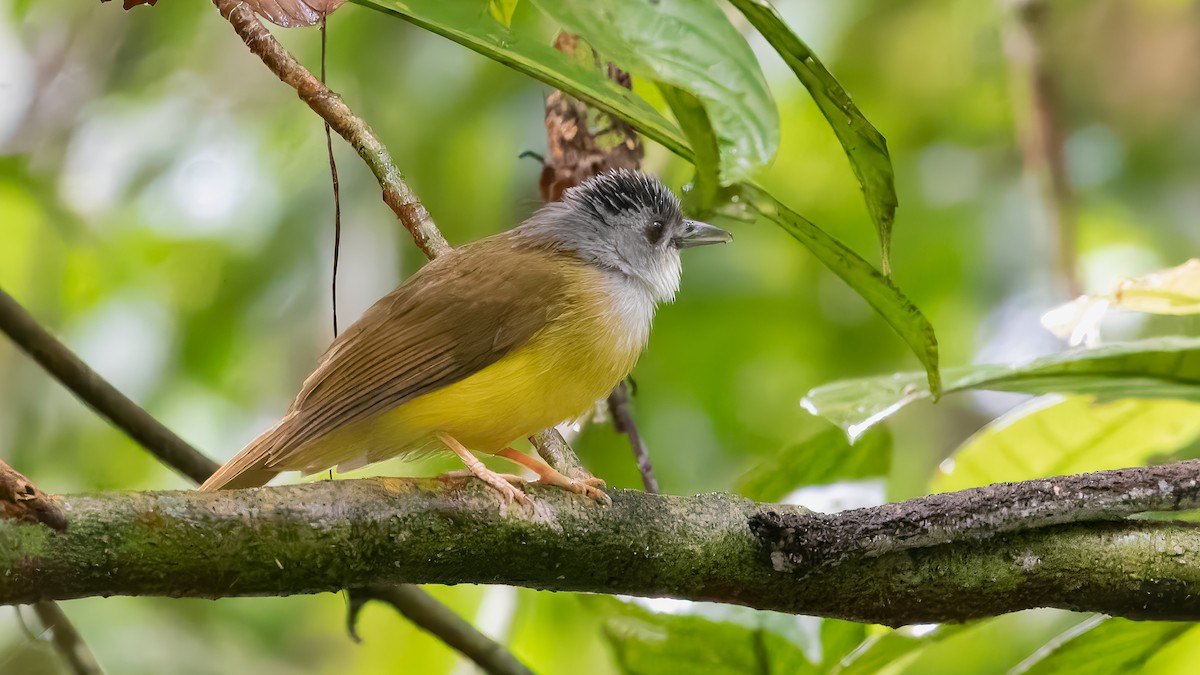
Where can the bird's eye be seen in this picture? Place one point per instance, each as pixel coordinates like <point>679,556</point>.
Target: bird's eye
<point>655,232</point>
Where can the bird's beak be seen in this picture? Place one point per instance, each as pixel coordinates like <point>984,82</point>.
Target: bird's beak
<point>696,233</point>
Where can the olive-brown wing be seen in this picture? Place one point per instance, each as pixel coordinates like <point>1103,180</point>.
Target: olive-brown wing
<point>458,315</point>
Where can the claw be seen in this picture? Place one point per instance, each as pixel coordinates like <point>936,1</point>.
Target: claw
<point>590,488</point>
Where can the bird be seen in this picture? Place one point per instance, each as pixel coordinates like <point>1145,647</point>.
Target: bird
<point>491,342</point>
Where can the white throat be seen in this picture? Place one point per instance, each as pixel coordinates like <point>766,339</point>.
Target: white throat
<point>661,279</point>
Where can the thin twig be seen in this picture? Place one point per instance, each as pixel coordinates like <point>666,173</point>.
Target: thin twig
<point>337,195</point>
<point>1039,113</point>
<point>66,639</point>
<point>618,407</point>
<point>423,610</point>
<point>396,193</point>
<point>98,394</point>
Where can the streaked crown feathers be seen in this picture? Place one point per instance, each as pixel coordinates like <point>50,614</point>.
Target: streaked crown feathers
<point>621,190</point>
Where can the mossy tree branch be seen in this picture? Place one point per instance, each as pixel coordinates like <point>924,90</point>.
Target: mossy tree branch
<point>322,537</point>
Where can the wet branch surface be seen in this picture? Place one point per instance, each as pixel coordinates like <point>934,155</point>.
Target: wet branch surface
<point>321,537</point>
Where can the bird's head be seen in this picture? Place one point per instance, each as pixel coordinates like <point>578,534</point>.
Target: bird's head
<point>625,221</point>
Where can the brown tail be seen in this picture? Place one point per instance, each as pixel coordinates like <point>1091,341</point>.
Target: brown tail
<point>249,467</point>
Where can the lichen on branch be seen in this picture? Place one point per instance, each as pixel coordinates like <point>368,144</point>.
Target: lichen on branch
<point>322,537</point>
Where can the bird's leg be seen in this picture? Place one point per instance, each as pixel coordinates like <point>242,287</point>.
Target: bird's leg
<point>548,475</point>
<point>481,472</point>
<point>466,473</point>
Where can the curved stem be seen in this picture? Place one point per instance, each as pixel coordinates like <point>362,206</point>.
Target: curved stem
<point>67,640</point>
<point>423,610</point>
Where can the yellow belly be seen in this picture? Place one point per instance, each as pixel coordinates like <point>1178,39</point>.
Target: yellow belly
<point>558,376</point>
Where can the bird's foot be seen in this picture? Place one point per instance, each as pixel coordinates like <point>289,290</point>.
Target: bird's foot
<point>587,485</point>
<point>498,482</point>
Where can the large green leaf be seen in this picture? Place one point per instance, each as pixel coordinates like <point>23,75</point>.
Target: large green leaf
<point>876,289</point>
<point>472,25</point>
<point>650,643</point>
<point>1105,646</point>
<point>824,458</point>
<point>865,147</point>
<point>1156,368</point>
<point>1053,435</point>
<point>688,44</point>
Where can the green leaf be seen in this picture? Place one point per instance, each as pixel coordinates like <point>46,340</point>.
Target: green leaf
<point>1051,436</point>
<point>876,289</point>
<point>865,147</point>
<point>839,639</point>
<point>691,116</point>
<point>824,458</point>
<point>892,650</point>
<point>1157,368</point>
<point>648,643</point>
<point>1104,646</point>
<point>472,26</point>
<point>502,10</point>
<point>689,44</point>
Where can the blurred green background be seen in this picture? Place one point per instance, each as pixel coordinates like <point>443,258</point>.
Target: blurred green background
<point>165,207</point>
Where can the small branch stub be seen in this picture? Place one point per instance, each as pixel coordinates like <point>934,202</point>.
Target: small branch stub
<point>21,500</point>
<point>811,540</point>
